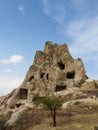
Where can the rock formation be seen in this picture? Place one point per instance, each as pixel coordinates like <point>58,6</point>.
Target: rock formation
<point>53,71</point>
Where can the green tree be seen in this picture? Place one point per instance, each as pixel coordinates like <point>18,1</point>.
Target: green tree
<point>52,103</point>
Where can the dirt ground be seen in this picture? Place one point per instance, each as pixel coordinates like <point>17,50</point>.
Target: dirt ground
<point>81,116</point>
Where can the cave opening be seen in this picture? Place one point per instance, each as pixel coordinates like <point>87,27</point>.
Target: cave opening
<point>42,75</point>
<point>23,93</point>
<point>61,65</point>
<point>18,105</point>
<point>60,88</point>
<point>47,76</point>
<point>71,75</point>
<point>31,78</point>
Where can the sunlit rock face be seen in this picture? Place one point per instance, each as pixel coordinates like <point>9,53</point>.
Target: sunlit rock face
<point>53,70</point>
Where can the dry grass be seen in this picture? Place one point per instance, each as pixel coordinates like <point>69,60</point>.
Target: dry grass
<point>80,116</point>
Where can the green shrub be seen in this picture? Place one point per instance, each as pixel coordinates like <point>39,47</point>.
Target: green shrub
<point>52,103</point>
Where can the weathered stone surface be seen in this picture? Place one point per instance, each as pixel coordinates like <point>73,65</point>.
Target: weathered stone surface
<point>53,71</point>
<point>52,68</point>
<point>89,84</point>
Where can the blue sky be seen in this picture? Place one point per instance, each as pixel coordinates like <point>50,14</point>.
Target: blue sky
<point>25,25</point>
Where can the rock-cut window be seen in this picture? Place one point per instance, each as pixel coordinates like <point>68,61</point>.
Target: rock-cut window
<point>71,75</point>
<point>60,88</point>
<point>61,65</point>
<point>23,93</point>
<point>47,76</point>
<point>42,75</point>
<point>31,78</point>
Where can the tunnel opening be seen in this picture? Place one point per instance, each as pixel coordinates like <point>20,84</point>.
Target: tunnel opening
<point>61,65</point>
<point>31,78</point>
<point>23,93</point>
<point>47,76</point>
<point>42,75</point>
<point>71,75</point>
<point>60,88</point>
<point>18,105</point>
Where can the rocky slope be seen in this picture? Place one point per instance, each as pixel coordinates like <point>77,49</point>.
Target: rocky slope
<point>53,71</point>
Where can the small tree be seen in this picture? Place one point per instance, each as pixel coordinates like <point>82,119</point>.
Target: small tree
<point>52,103</point>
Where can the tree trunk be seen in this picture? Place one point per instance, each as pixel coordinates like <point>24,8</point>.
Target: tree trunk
<point>54,119</point>
<point>53,112</point>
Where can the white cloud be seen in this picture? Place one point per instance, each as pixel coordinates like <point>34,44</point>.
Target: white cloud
<point>13,59</point>
<point>21,9</point>
<point>78,23</point>
<point>7,84</point>
<point>84,36</point>
<point>82,31</point>
<point>54,10</point>
<point>8,70</point>
<point>46,7</point>
<point>15,82</point>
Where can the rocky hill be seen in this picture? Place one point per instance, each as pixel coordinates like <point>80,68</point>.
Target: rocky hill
<point>54,71</point>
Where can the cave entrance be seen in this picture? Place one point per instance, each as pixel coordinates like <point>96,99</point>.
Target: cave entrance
<point>42,75</point>
<point>47,76</point>
<point>60,88</point>
<point>18,105</point>
<point>23,93</point>
<point>31,78</point>
<point>61,65</point>
<point>71,75</point>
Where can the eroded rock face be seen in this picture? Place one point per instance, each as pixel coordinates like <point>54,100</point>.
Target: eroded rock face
<point>53,70</point>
